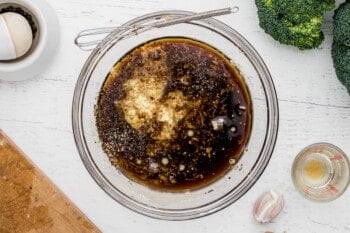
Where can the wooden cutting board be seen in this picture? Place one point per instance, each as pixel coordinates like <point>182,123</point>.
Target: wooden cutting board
<point>29,201</point>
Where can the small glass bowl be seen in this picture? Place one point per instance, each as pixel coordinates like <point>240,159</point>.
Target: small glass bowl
<point>321,172</point>
<point>192,203</point>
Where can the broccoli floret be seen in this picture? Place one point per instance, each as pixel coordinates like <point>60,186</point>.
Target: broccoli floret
<point>341,62</point>
<point>294,22</point>
<point>341,30</point>
<point>341,43</point>
<point>299,11</point>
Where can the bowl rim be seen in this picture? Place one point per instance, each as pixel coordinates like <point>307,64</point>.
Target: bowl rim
<point>203,210</point>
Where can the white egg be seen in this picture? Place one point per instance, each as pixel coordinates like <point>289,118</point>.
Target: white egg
<point>16,36</point>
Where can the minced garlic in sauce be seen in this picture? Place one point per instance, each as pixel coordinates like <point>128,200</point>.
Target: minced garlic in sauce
<point>173,114</point>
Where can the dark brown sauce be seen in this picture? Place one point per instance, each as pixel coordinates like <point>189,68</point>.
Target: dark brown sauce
<point>174,114</point>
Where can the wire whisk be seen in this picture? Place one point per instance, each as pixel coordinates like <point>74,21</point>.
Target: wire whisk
<point>86,39</point>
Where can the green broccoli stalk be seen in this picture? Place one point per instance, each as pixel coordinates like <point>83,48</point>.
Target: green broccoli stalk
<point>294,22</point>
<point>341,43</point>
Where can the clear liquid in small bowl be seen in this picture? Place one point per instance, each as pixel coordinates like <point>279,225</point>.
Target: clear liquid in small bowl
<point>321,172</point>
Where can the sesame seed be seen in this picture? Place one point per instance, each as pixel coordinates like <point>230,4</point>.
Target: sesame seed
<point>165,161</point>
<point>153,166</point>
<point>242,107</point>
<point>182,167</point>
<point>190,133</point>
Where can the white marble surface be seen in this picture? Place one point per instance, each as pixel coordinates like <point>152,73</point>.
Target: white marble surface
<point>314,107</point>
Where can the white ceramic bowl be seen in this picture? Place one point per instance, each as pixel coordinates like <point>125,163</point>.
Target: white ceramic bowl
<point>44,46</point>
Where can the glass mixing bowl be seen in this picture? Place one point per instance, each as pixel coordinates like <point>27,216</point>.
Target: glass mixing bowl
<point>192,203</point>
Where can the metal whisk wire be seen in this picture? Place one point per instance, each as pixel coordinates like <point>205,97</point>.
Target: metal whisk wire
<point>83,42</point>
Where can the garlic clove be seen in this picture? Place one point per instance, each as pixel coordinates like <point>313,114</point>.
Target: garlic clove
<point>16,36</point>
<point>7,48</point>
<point>268,206</point>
